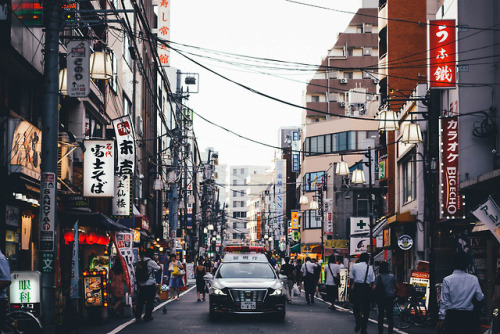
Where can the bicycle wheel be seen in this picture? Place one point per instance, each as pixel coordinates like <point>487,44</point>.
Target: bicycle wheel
<point>26,322</point>
<point>404,320</point>
<point>8,329</point>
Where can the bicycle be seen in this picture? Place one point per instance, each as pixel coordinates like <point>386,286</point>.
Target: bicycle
<point>412,310</point>
<point>21,322</point>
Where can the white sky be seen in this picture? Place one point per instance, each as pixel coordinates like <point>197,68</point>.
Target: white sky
<point>262,28</point>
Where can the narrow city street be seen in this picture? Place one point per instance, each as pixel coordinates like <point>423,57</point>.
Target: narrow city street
<point>189,316</point>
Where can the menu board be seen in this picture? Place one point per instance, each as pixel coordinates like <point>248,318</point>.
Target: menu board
<point>93,290</point>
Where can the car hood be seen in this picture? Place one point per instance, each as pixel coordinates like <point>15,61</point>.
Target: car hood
<point>246,283</point>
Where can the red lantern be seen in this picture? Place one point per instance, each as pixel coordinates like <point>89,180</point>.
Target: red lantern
<point>91,238</point>
<point>106,240</point>
<point>68,237</point>
<point>102,240</point>
<point>81,238</point>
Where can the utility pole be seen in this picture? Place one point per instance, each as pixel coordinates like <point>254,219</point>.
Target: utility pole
<point>173,216</point>
<point>370,202</point>
<point>48,182</point>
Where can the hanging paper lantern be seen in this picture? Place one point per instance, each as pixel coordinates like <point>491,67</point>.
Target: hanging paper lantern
<point>91,238</point>
<point>106,240</point>
<point>81,238</point>
<point>68,237</point>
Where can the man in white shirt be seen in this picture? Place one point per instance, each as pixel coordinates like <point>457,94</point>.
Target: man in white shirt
<point>147,290</point>
<point>332,271</point>
<point>308,276</point>
<point>362,276</point>
<point>458,292</point>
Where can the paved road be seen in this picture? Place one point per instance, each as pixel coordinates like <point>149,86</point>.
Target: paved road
<point>189,316</point>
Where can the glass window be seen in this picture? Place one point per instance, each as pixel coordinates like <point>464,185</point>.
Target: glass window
<point>246,270</point>
<point>362,208</point>
<point>307,146</point>
<point>409,170</point>
<point>321,144</point>
<point>351,140</point>
<point>314,145</point>
<point>328,143</point>
<point>311,219</point>
<point>126,52</point>
<point>339,141</point>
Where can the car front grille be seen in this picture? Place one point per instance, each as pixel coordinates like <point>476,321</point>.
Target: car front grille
<point>244,295</point>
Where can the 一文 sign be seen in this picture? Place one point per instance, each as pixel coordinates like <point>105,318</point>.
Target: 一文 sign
<point>442,54</point>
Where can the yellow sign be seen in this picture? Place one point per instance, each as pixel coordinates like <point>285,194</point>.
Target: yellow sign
<point>337,243</point>
<point>295,220</point>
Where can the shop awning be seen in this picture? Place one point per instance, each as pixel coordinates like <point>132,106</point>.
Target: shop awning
<point>295,249</point>
<point>92,219</point>
<point>379,227</point>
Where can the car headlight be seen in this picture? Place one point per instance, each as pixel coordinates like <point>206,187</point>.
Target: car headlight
<point>277,293</point>
<point>218,292</point>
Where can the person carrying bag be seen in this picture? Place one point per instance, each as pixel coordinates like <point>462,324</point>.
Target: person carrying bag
<point>362,277</point>
<point>383,294</point>
<point>332,281</point>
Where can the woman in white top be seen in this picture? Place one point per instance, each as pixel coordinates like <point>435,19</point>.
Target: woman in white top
<point>332,271</point>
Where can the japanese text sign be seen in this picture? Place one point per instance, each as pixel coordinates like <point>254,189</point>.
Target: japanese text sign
<point>121,205</point>
<point>451,204</point>
<point>489,214</point>
<point>78,72</point>
<point>259,226</point>
<point>47,213</point>
<point>123,243</point>
<point>98,168</point>
<point>24,287</point>
<point>295,219</point>
<point>442,54</point>
<point>164,31</point>
<point>125,141</point>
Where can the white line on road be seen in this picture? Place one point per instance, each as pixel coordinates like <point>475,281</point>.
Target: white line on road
<point>348,310</point>
<point>131,321</point>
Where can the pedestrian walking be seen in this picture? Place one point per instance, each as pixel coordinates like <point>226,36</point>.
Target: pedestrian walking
<point>386,282</point>
<point>147,285</point>
<point>176,272</point>
<point>332,281</point>
<point>287,270</point>
<point>362,278</point>
<point>309,277</point>
<point>317,276</point>
<point>458,293</point>
<point>199,272</point>
<point>298,275</point>
<point>117,279</point>
<point>208,265</point>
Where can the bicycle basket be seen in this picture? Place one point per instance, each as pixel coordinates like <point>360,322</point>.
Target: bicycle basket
<point>405,290</point>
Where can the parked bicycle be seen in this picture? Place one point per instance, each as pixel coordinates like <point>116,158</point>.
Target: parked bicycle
<point>21,322</point>
<point>410,306</point>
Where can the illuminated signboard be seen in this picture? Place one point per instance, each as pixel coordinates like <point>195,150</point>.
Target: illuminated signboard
<point>442,54</point>
<point>94,288</point>
<point>98,168</point>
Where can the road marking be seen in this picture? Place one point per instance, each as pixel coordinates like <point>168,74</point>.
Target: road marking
<point>131,321</point>
<point>396,330</point>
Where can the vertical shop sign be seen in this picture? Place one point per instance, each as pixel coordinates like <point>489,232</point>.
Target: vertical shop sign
<point>98,168</point>
<point>442,54</point>
<point>47,218</point>
<point>279,194</point>
<point>451,201</point>
<point>125,141</point>
<point>259,226</point>
<point>78,70</point>
<point>121,202</point>
<point>295,220</point>
<point>123,243</point>
<point>328,213</point>
<point>164,31</point>
<point>26,232</point>
<point>295,151</point>
<point>75,274</point>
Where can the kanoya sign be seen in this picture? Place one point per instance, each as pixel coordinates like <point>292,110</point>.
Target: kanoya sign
<point>442,54</point>
<point>78,61</point>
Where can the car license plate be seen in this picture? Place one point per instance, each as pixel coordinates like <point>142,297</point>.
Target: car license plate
<point>248,305</point>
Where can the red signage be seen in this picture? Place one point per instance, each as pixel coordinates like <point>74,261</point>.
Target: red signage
<point>258,226</point>
<point>442,54</point>
<point>451,205</point>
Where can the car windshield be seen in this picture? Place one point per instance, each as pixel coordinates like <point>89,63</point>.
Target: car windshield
<point>246,270</point>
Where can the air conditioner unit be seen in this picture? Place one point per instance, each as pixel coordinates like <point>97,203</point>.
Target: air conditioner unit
<point>343,81</point>
<point>342,104</point>
<point>375,80</point>
<point>139,126</point>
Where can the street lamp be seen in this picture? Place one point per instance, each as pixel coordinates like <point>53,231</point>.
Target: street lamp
<point>358,177</point>
<point>303,200</point>
<point>411,133</point>
<point>388,121</point>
